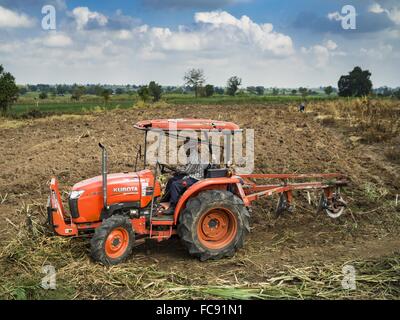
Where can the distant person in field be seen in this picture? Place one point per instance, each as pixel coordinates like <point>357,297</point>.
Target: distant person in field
<point>302,107</point>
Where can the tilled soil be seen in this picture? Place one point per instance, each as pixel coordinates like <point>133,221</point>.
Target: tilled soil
<point>66,146</point>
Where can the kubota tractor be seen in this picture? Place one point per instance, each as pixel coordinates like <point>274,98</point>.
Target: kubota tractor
<point>212,216</point>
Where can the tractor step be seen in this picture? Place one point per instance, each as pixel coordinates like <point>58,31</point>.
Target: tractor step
<point>163,220</point>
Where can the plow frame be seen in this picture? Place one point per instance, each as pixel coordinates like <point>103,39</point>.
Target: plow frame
<point>251,191</point>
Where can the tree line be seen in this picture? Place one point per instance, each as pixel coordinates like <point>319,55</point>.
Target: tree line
<point>356,83</point>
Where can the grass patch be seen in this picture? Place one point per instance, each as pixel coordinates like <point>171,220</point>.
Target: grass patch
<point>22,260</point>
<point>239,99</point>
<point>26,111</point>
<point>374,121</point>
<point>28,107</point>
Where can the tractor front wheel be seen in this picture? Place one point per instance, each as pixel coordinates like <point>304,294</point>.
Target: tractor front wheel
<point>113,240</point>
<point>213,224</point>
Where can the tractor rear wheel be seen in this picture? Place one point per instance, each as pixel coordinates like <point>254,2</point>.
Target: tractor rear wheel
<point>213,224</point>
<point>113,240</point>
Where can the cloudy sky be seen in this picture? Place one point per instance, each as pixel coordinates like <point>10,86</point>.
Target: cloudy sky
<point>280,43</point>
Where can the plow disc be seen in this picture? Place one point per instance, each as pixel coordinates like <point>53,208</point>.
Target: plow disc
<point>283,205</point>
<point>333,207</point>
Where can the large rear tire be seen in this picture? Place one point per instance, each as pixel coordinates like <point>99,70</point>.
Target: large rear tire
<point>113,240</point>
<point>214,224</point>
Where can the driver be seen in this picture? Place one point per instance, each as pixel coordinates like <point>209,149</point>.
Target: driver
<point>188,175</point>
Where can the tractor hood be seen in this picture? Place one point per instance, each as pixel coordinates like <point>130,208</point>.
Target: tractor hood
<point>95,183</point>
<point>87,202</point>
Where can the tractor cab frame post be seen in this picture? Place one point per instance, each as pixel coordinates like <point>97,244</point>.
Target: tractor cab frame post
<point>160,136</point>
<point>104,160</point>
<point>145,150</point>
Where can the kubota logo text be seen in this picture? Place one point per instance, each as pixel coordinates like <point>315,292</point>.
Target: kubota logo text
<point>126,189</point>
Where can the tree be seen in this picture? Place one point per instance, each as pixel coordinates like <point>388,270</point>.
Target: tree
<point>303,91</point>
<point>61,89</point>
<point>8,90</point>
<point>77,92</point>
<point>260,90</point>
<point>396,93</point>
<point>194,78</point>
<point>32,88</point>
<point>294,92</point>
<point>209,90</point>
<point>155,91</point>
<point>386,92</point>
<point>97,90</point>
<point>328,90</point>
<point>23,90</point>
<point>233,85</point>
<point>143,93</point>
<point>275,91</point>
<point>43,95</point>
<point>356,84</point>
<point>119,91</point>
<point>106,93</point>
<point>219,90</point>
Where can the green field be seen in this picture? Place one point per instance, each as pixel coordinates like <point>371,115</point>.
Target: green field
<point>30,106</point>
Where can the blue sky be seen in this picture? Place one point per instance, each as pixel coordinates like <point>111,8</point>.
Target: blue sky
<point>272,43</point>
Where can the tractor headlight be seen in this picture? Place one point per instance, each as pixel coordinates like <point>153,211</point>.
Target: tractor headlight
<point>76,194</point>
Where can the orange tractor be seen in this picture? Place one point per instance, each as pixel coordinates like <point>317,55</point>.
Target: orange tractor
<point>212,216</point>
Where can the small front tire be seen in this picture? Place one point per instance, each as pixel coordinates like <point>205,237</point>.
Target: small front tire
<point>113,240</point>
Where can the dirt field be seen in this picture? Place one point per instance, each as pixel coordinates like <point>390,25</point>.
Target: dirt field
<point>302,247</point>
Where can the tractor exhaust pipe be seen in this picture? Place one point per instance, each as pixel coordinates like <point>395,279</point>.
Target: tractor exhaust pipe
<point>104,174</point>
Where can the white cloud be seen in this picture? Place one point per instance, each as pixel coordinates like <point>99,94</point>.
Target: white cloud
<point>124,34</point>
<point>10,47</point>
<point>247,32</point>
<point>319,54</point>
<point>217,18</point>
<point>335,16</point>
<point>220,43</point>
<point>83,16</point>
<point>331,45</point>
<point>216,32</point>
<point>11,19</point>
<point>393,13</point>
<point>382,52</point>
<point>57,40</point>
<point>376,8</point>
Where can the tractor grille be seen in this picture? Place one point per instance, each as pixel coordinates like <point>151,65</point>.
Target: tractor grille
<point>73,207</point>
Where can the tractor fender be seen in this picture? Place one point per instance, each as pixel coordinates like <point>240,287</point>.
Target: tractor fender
<point>206,184</point>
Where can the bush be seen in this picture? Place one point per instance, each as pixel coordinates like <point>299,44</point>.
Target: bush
<point>143,93</point>
<point>43,95</point>
<point>33,114</point>
<point>8,90</point>
<point>233,85</point>
<point>209,90</point>
<point>155,91</point>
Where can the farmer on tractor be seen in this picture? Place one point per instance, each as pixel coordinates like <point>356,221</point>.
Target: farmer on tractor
<point>208,207</point>
<point>185,176</point>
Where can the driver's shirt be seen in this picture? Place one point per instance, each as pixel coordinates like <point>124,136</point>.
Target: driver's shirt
<point>194,167</point>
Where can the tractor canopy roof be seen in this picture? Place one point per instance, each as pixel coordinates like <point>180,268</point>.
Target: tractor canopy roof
<point>186,124</point>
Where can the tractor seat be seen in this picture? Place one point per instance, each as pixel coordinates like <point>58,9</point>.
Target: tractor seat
<point>216,173</point>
